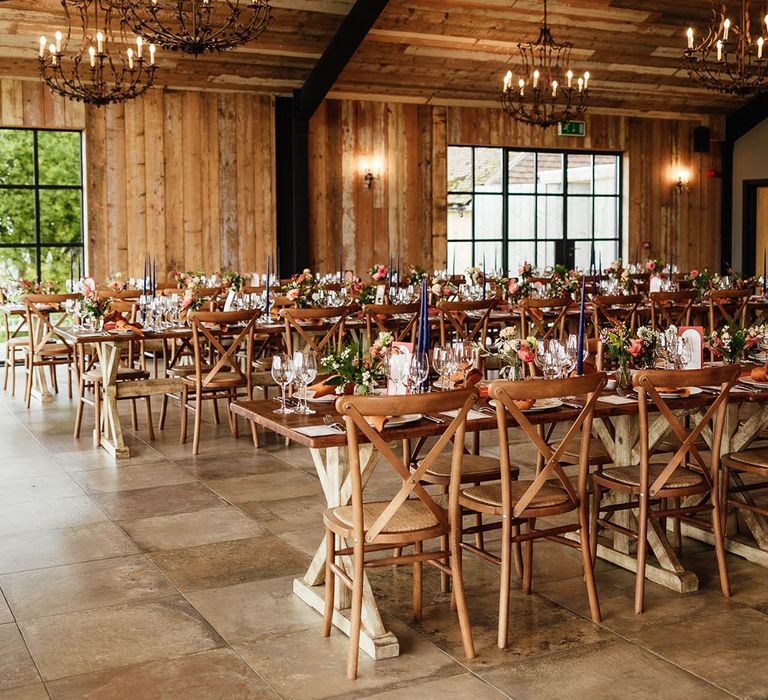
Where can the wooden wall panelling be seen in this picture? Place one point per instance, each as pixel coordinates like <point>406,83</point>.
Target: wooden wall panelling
<point>173,183</point>
<point>192,165</point>
<point>245,231</point>
<point>134,173</point>
<point>439,204</point>
<point>154,159</point>
<point>116,239</point>
<point>95,195</point>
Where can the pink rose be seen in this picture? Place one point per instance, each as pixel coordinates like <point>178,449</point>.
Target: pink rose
<point>694,273</point>
<point>635,347</point>
<point>513,287</point>
<point>293,294</point>
<point>525,354</point>
<point>650,265</point>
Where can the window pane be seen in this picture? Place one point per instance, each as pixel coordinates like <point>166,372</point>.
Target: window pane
<point>606,175</point>
<point>16,157</point>
<point>579,217</point>
<point>545,255</point>
<point>459,257</point>
<point>58,157</point>
<point>550,173</point>
<point>522,169</point>
<point>459,169</point>
<point>17,216</point>
<point>16,263</point>
<point>490,253</point>
<point>521,217</point>
<point>60,216</point>
<point>54,266</point>
<point>459,216</point>
<point>550,217</point>
<point>579,174</point>
<point>488,216</point>
<point>520,252</point>
<point>488,169</point>
<point>606,217</point>
<point>582,255</point>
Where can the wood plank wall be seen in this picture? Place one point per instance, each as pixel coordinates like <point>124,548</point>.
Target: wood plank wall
<point>407,207</point>
<point>186,176</point>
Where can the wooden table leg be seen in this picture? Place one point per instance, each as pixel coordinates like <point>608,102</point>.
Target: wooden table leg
<point>111,428</point>
<point>40,390</point>
<point>333,469</point>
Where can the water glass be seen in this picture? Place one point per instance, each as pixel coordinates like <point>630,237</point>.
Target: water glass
<point>283,374</point>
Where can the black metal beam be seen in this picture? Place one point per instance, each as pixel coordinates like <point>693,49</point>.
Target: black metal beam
<point>345,42</point>
<point>292,115</point>
<point>747,117</point>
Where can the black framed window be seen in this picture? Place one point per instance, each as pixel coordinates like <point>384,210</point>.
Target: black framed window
<point>507,206</point>
<point>41,204</point>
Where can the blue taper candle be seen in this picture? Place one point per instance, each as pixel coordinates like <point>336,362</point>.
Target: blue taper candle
<point>484,283</point>
<point>266,299</point>
<point>144,279</point>
<point>154,277</point>
<point>397,269</point>
<point>580,343</point>
<point>764,280</point>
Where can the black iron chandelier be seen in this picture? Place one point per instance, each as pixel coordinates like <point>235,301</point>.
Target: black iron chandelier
<point>547,92</point>
<point>731,57</point>
<point>100,68</point>
<point>195,26</point>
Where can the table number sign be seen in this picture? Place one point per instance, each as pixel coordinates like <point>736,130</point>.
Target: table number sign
<point>654,284</point>
<point>381,292</point>
<point>695,335</point>
<point>401,354</point>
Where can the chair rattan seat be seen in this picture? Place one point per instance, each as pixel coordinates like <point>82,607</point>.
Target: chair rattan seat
<point>475,468</point>
<point>490,495</point>
<point>630,476</point>
<point>220,380</point>
<point>597,452</point>
<point>124,373</point>
<point>412,516</point>
<point>18,342</point>
<point>748,460</point>
<point>55,350</point>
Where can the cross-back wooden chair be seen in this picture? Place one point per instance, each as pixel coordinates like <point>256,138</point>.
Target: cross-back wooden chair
<point>640,281</point>
<point>544,317</point>
<point>521,502</point>
<point>218,373</point>
<point>320,329</point>
<point>90,377</point>
<point>465,321</point>
<point>106,293</point>
<point>740,496</point>
<point>728,306</point>
<point>408,519</point>
<point>615,309</point>
<point>402,320</point>
<point>45,347</point>
<point>685,473</point>
<point>672,308</point>
<point>15,343</point>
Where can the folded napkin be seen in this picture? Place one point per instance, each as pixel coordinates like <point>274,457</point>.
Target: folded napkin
<point>474,376</point>
<point>617,400</point>
<point>323,388</point>
<point>472,415</point>
<point>116,321</point>
<point>317,431</point>
<point>376,422</point>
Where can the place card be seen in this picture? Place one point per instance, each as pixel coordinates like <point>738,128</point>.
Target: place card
<point>400,355</point>
<point>317,431</point>
<point>695,335</point>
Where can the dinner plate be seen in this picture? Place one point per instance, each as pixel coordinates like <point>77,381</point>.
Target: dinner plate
<point>540,405</point>
<point>753,382</point>
<point>397,421</point>
<point>116,331</point>
<point>692,391</point>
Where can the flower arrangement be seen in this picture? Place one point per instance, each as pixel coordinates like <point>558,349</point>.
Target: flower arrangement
<point>700,279</point>
<point>415,275</point>
<point>300,289</point>
<point>643,348</point>
<point>442,288</point>
<point>93,306</point>
<point>511,351</point>
<point>358,367</point>
<point>379,272</point>
<point>526,271</point>
<point>232,280</point>
<point>517,288</point>
<point>473,276</point>
<point>614,269</point>
<point>191,302</point>
<point>653,265</point>
<point>733,344</point>
<point>28,286</point>
<point>360,293</point>
<point>565,282</point>
<point>117,282</point>
<point>190,280</point>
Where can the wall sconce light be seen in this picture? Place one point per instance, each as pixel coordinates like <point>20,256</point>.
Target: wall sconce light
<point>371,173</point>
<point>683,180</point>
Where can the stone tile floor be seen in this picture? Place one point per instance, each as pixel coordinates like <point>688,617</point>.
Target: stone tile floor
<point>169,575</point>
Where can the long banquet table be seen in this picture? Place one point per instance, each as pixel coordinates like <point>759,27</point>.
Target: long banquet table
<point>615,425</point>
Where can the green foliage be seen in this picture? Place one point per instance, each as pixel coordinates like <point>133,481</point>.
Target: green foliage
<point>60,212</point>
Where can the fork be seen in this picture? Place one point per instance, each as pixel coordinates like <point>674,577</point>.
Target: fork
<point>329,422</point>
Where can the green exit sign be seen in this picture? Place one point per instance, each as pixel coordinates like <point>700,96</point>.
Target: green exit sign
<point>571,129</point>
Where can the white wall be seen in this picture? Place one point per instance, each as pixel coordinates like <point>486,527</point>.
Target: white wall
<point>750,162</point>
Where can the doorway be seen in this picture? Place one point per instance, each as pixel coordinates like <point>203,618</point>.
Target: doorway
<point>755,226</point>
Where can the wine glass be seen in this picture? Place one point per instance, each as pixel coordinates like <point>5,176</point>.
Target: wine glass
<point>442,361</point>
<point>540,356</point>
<point>464,357</point>
<point>418,371</point>
<point>283,373</point>
<point>397,369</point>
<point>684,352</point>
